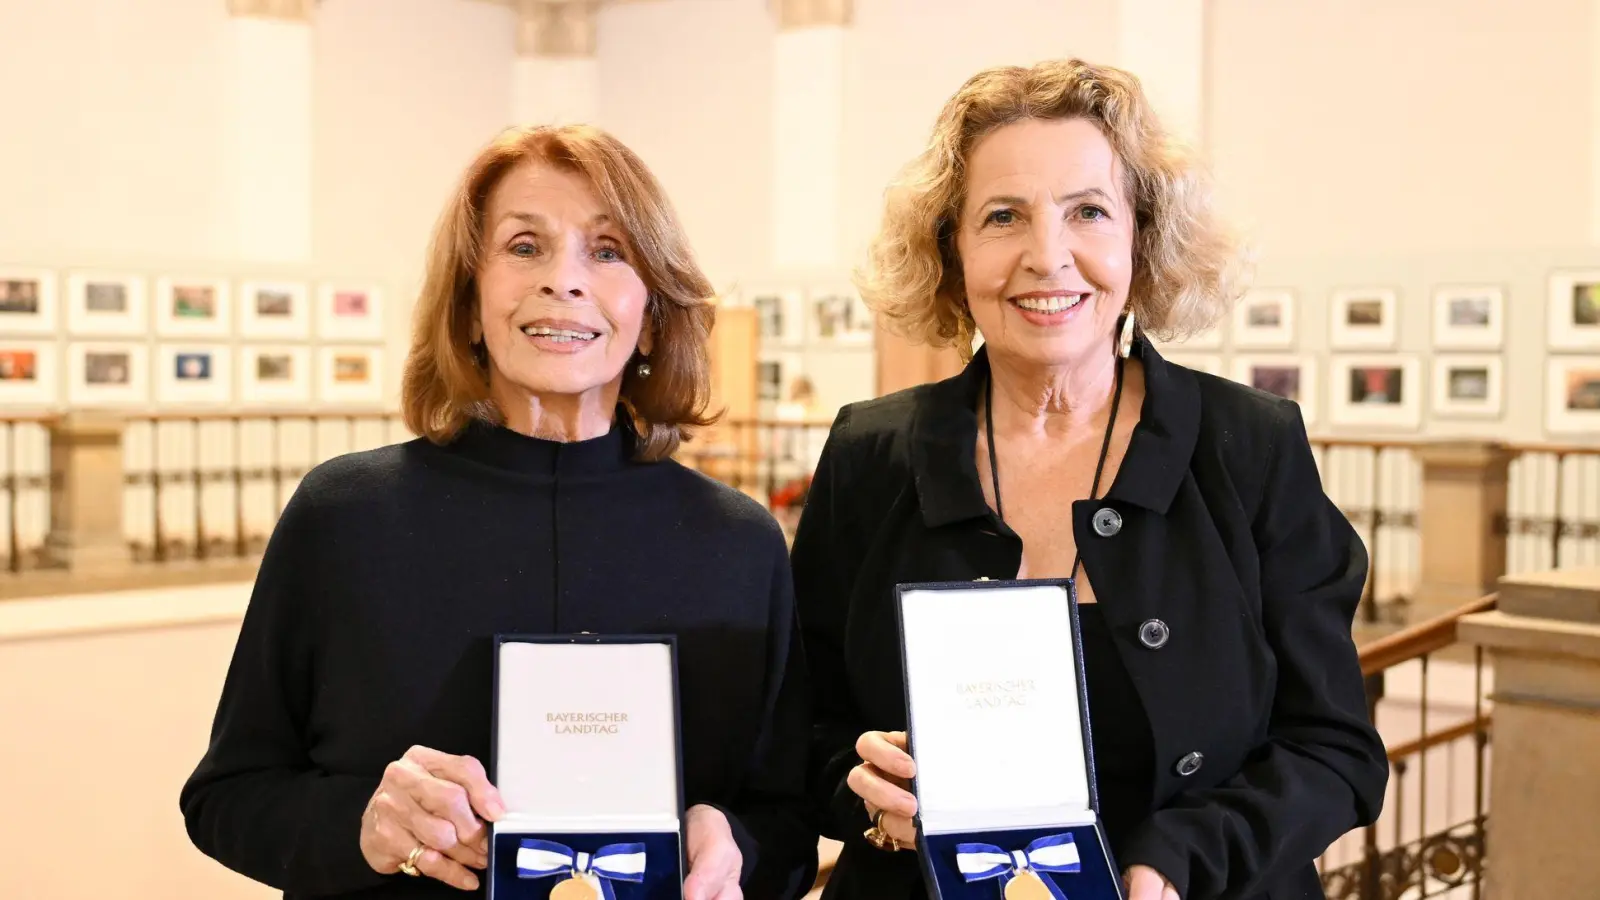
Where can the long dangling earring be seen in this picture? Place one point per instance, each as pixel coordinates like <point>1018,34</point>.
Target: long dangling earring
<point>1125,341</point>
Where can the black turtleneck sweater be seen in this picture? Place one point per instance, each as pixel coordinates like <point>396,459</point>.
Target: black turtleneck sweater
<point>372,618</point>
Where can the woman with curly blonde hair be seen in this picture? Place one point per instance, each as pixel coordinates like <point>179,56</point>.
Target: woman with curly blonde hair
<point>1052,215</point>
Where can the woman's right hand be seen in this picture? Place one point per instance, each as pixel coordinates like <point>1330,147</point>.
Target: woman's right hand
<point>438,802</point>
<point>882,780</point>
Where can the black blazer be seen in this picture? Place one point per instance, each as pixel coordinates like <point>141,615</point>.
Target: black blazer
<point>1265,753</point>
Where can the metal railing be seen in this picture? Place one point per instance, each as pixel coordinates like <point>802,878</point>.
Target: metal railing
<point>1427,696</point>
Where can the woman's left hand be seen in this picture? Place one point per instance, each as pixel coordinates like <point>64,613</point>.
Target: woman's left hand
<point>1145,883</point>
<point>714,858</point>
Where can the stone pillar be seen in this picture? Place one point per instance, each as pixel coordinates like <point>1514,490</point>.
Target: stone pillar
<point>267,102</point>
<point>808,135</point>
<point>1163,42</point>
<point>557,76</point>
<point>86,496</point>
<point>1462,523</point>
<point>1544,807</point>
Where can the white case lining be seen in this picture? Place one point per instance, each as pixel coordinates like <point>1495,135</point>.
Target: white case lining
<point>994,688</point>
<point>612,760</point>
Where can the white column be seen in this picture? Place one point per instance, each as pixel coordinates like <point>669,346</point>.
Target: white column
<point>1163,42</point>
<point>557,75</point>
<point>808,134</point>
<point>267,102</point>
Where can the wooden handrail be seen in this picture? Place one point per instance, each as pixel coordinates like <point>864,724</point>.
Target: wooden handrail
<point>1429,741</point>
<point>1366,444</point>
<point>227,415</point>
<point>775,423</point>
<point>1556,449</point>
<point>1420,639</point>
<point>27,418</point>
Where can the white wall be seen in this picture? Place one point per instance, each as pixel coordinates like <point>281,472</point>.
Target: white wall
<point>108,701</point>
<point>687,85</point>
<point>909,56</point>
<point>406,92</point>
<point>113,130</point>
<point>1366,127</point>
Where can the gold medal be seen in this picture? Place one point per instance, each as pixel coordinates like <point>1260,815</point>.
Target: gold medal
<point>1026,886</point>
<point>580,887</point>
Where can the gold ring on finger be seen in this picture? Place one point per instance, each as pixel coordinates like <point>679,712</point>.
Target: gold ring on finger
<point>410,865</point>
<point>879,838</point>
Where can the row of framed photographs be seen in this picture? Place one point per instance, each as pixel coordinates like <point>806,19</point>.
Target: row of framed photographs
<point>1388,390</point>
<point>795,317</point>
<point>112,374</point>
<point>108,305</point>
<point>1467,317</point>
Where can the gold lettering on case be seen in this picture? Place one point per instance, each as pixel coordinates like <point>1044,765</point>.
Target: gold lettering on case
<point>996,694</point>
<point>586,723</point>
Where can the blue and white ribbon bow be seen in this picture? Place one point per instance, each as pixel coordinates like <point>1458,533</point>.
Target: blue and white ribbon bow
<point>613,862</point>
<point>1055,853</point>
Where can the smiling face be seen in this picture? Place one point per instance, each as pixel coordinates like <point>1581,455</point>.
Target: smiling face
<point>560,307</point>
<point>1046,241</point>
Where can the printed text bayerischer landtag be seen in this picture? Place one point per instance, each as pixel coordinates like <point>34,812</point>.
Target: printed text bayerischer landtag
<point>586,723</point>
<point>996,694</point>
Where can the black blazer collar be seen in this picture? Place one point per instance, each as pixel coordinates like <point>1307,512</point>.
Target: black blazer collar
<point>944,440</point>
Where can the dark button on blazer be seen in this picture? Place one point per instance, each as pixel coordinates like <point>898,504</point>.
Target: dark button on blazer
<point>1228,578</point>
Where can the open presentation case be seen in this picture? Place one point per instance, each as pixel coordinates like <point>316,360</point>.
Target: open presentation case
<point>998,718</point>
<point>586,754</point>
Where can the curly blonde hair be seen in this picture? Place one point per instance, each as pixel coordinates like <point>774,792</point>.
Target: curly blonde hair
<point>446,381</point>
<point>1188,267</point>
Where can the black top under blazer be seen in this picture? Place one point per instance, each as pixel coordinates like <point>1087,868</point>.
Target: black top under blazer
<point>1230,588</point>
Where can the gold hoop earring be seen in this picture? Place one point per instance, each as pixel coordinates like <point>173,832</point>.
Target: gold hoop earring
<point>1125,341</point>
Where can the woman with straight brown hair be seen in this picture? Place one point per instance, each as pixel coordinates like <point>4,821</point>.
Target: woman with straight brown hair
<point>558,357</point>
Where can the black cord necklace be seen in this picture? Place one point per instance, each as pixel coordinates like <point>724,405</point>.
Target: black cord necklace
<point>1105,446</point>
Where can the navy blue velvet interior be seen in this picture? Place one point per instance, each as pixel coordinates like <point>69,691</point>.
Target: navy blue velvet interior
<point>1097,878</point>
<point>663,879</point>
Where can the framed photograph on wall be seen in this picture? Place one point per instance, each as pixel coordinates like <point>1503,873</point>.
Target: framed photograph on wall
<point>1469,318</point>
<point>1209,363</point>
<point>1264,320</point>
<point>1574,314</point>
<point>274,310</point>
<point>29,373</point>
<point>1378,390</point>
<point>1291,376</point>
<point>1468,387</point>
<point>349,312</point>
<point>1573,396</point>
<point>350,375</point>
<point>103,373</point>
<point>839,316</point>
<point>107,305</point>
<point>194,374</point>
<point>27,302</point>
<point>780,316</point>
<point>274,374</point>
<point>775,376</point>
<point>1365,318</point>
<point>193,308</point>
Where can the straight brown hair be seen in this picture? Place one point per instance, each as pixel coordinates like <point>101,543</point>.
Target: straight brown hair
<point>446,380</point>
